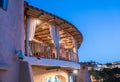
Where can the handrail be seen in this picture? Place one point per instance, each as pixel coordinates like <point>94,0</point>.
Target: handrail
<point>68,54</point>
<point>41,50</point>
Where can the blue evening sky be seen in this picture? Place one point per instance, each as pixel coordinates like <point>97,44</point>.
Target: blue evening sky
<point>99,22</point>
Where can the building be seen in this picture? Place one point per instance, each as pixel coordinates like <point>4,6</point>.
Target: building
<point>11,38</point>
<point>116,64</point>
<point>36,46</point>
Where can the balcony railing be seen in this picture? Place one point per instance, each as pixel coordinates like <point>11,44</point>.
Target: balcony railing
<point>41,50</point>
<point>68,54</point>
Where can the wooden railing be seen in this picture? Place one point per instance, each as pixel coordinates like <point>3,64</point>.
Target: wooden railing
<point>41,50</point>
<point>68,54</point>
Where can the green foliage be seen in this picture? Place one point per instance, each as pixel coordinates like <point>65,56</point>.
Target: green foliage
<point>107,74</point>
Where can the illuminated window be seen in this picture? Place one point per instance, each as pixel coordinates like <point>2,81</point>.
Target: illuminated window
<point>3,4</point>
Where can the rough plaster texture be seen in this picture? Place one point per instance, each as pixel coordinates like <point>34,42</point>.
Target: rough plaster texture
<point>40,73</point>
<point>11,38</point>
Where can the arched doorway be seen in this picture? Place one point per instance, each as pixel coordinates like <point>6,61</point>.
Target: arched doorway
<point>52,79</point>
<point>56,78</point>
<point>42,75</point>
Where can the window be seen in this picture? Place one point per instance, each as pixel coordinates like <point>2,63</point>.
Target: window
<point>3,4</point>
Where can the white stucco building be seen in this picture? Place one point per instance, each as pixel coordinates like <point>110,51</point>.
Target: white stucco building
<point>47,45</point>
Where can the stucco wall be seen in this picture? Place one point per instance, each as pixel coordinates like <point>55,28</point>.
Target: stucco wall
<point>11,38</point>
<point>83,74</point>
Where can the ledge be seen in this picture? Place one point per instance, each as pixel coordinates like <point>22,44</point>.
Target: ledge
<point>52,62</point>
<point>4,67</point>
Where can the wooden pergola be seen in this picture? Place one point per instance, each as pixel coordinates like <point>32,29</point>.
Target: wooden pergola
<point>42,33</point>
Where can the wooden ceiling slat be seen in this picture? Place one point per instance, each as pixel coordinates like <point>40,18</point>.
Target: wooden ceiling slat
<point>41,25</point>
<point>38,34</point>
<point>42,30</point>
<point>68,28</point>
<point>64,37</point>
<point>43,40</point>
<point>42,36</point>
<point>59,21</point>
<point>48,16</point>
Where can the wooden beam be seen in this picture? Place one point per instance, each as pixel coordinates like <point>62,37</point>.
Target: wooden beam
<point>64,37</point>
<point>42,33</point>
<point>46,29</point>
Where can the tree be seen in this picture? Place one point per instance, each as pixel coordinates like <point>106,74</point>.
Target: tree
<point>107,74</point>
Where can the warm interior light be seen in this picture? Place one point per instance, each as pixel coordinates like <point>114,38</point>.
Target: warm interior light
<point>75,71</point>
<point>52,41</point>
<point>66,46</point>
<point>59,42</point>
<point>49,37</point>
<point>38,21</point>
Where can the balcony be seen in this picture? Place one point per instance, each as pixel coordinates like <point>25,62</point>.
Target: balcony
<point>50,40</point>
<point>41,50</point>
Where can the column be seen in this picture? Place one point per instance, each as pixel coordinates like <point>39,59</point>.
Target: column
<point>27,38</point>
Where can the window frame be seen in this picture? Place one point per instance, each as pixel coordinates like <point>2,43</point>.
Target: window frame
<point>4,5</point>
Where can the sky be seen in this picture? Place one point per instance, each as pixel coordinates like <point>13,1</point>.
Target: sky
<point>97,20</point>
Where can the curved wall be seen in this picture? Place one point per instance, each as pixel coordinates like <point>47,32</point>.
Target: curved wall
<point>52,62</point>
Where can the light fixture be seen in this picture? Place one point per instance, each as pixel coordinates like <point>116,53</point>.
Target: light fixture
<point>59,41</point>
<point>49,37</point>
<point>38,21</point>
<point>75,71</point>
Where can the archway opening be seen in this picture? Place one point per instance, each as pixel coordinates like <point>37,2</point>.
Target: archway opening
<point>52,79</point>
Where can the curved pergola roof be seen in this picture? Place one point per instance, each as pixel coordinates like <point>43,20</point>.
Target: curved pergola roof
<point>50,18</point>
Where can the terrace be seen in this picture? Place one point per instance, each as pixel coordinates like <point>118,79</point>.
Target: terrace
<point>50,37</point>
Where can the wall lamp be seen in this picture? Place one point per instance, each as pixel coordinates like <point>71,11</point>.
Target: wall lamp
<point>75,71</point>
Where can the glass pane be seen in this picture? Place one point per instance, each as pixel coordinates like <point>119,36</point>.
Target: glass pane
<point>5,4</point>
<point>1,3</point>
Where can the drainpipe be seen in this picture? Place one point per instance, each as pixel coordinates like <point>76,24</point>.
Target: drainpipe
<point>27,39</point>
